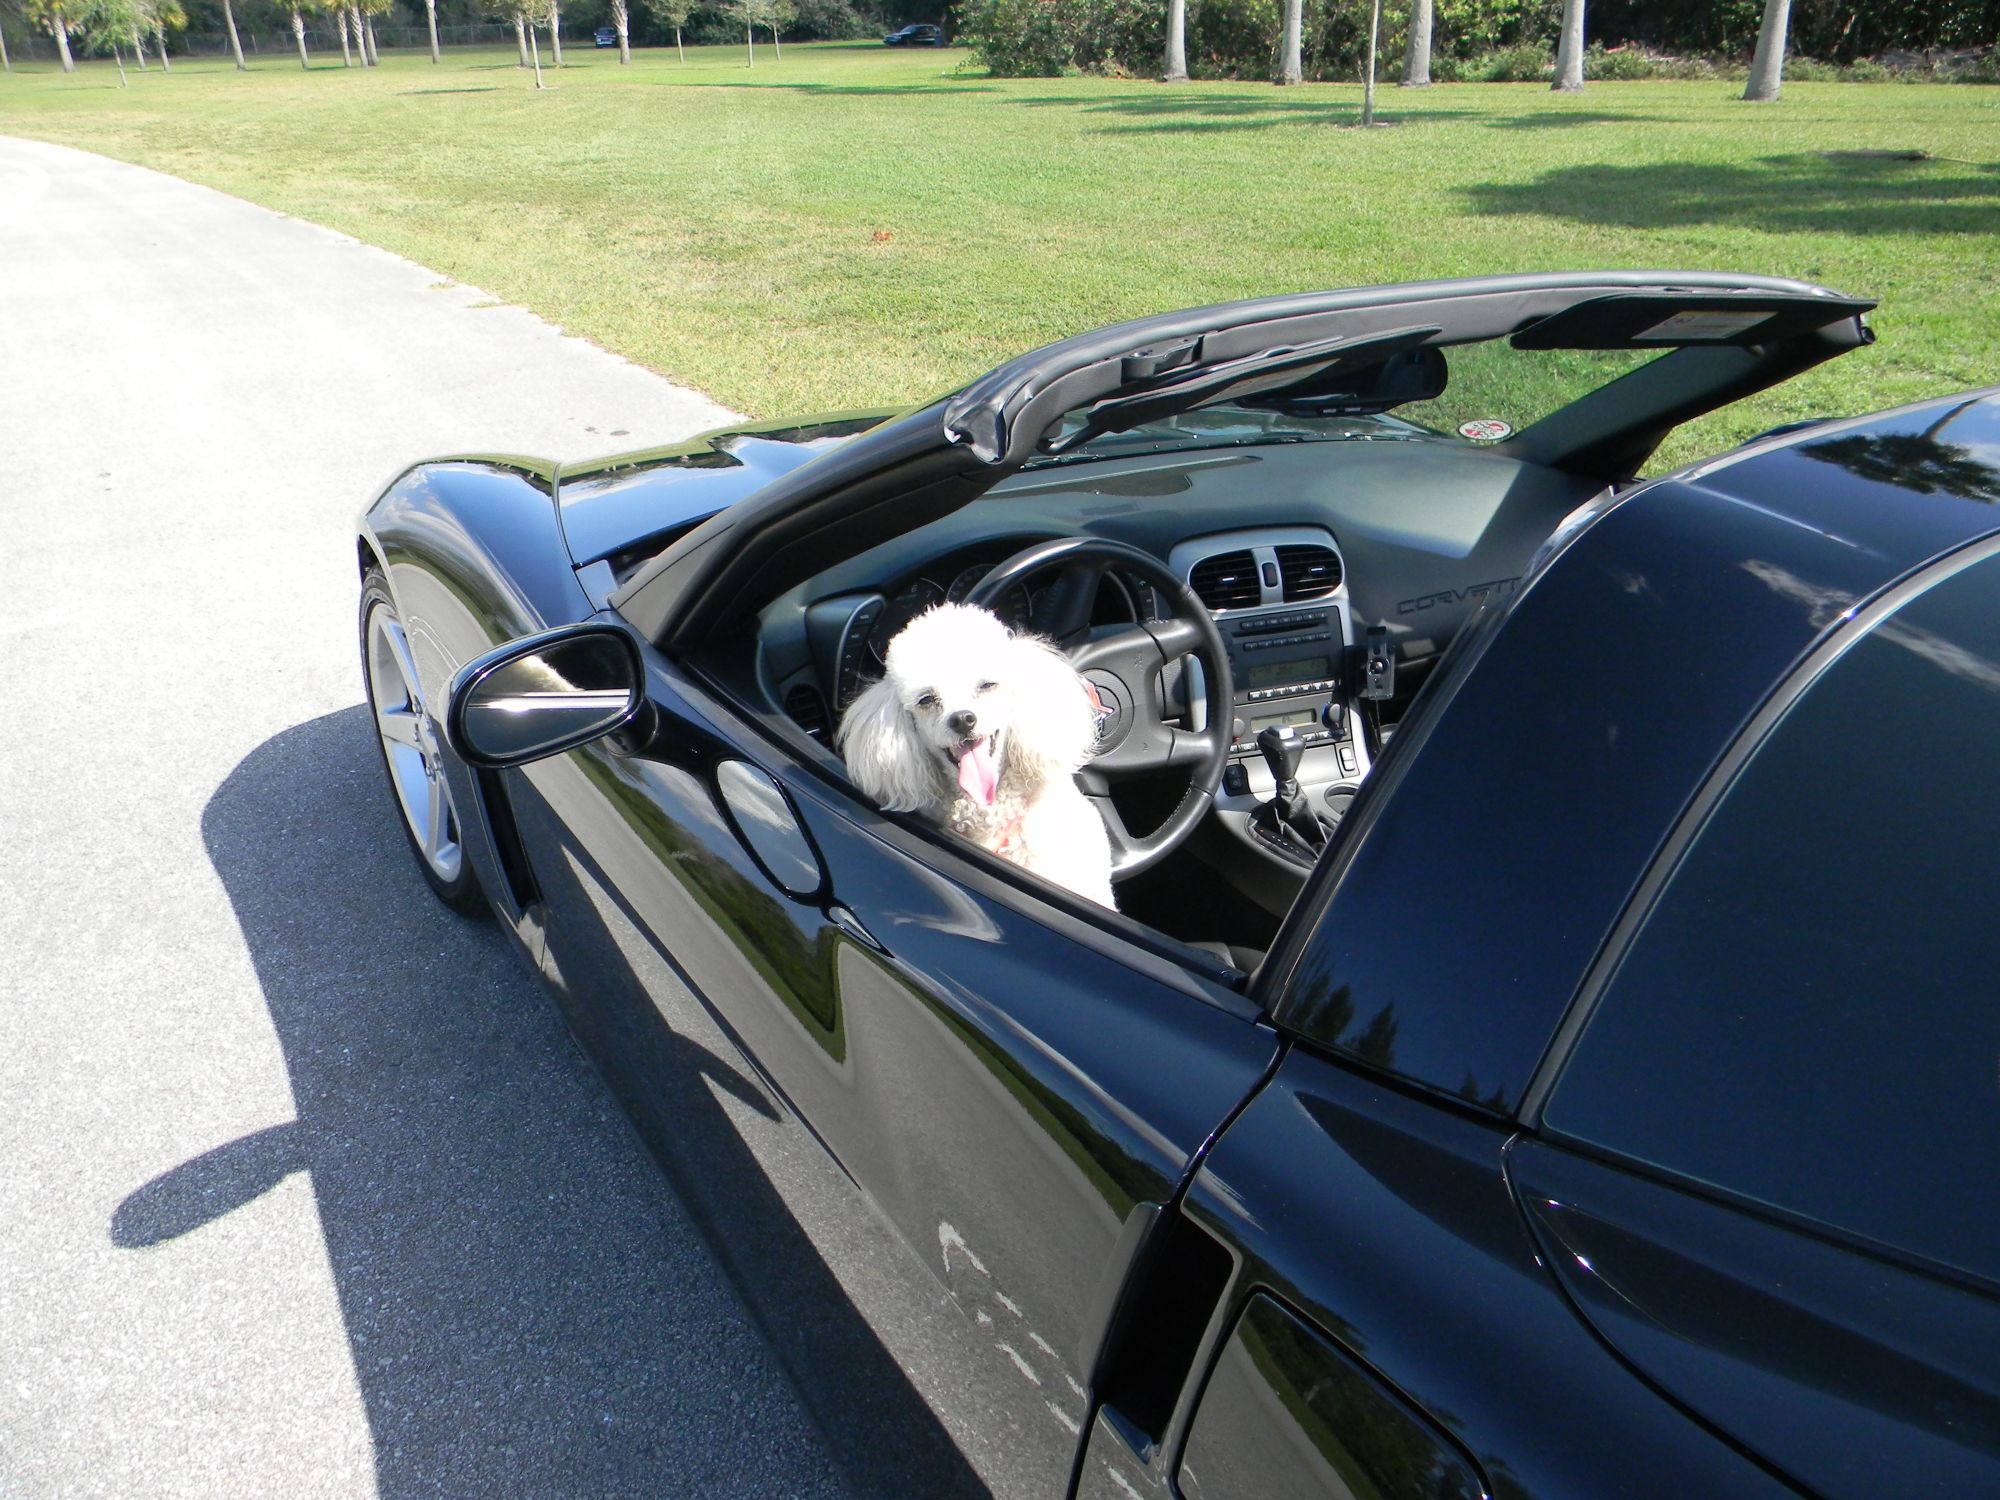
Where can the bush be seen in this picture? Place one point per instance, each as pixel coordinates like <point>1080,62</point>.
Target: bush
<point>1048,38</point>
<point>828,21</point>
<point>1810,70</point>
<point>1528,64</point>
<point>1620,65</point>
<point>1864,71</point>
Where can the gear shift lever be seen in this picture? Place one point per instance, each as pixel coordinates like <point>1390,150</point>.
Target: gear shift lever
<point>1282,750</point>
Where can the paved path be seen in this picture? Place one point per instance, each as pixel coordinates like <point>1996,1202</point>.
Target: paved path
<point>302,1191</point>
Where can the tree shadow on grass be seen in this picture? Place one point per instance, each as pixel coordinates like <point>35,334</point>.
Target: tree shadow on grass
<point>1796,194</point>
<point>843,90</point>
<point>1562,119</point>
<point>1199,114</point>
<point>530,1312</point>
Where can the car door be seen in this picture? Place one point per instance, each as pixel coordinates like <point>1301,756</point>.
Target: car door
<point>1019,1087</point>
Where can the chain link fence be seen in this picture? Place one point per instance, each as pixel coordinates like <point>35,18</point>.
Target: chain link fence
<point>264,38</point>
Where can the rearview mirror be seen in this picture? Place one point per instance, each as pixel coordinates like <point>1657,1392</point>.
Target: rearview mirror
<point>544,694</point>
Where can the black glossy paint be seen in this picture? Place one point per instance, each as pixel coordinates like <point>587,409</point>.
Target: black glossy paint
<point>1386,1221</point>
<point>1065,1125</point>
<point>1529,801</point>
<point>614,505</point>
<point>918,1024</point>
<point>1856,1374</point>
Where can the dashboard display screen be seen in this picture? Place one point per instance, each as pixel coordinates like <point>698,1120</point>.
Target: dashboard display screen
<point>1297,669</point>
<point>1297,718</point>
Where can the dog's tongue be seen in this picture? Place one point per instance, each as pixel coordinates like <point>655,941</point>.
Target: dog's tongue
<point>978,776</point>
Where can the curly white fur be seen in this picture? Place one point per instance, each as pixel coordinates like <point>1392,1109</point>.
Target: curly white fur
<point>960,683</point>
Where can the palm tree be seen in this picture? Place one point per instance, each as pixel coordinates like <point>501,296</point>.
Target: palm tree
<point>108,23</point>
<point>1767,67</point>
<point>431,15</point>
<point>621,17</point>
<point>299,35</point>
<point>50,14</point>
<point>165,14</point>
<point>235,42</point>
<point>1176,42</point>
<point>1417,56</point>
<point>555,29</point>
<point>1289,69</point>
<point>1569,52</point>
<point>1368,63</point>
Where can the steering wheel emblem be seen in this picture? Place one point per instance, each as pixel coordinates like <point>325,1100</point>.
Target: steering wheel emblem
<point>1104,713</point>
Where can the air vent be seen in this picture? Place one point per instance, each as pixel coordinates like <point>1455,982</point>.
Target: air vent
<point>1309,572</point>
<point>807,709</point>
<point>1227,581</point>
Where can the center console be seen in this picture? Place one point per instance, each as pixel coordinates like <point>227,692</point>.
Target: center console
<point>1279,598</point>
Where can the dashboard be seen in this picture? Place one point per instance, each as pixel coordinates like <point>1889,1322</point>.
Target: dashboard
<point>1295,549</point>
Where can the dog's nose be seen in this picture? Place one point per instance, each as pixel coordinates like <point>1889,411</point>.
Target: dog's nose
<point>963,721</point>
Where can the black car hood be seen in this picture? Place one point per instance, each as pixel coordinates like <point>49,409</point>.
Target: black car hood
<point>633,502</point>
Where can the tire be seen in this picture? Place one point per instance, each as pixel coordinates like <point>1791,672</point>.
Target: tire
<point>411,743</point>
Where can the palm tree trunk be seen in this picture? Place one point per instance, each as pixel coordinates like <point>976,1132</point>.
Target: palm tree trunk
<point>299,31</point>
<point>521,37</point>
<point>235,42</point>
<point>622,16</point>
<point>1289,69</point>
<point>6,62</point>
<point>119,58</point>
<point>364,35</point>
<point>346,56</point>
<point>1569,54</point>
<point>1176,42</point>
<point>777,47</point>
<point>1417,57</point>
<point>1368,82</point>
<point>160,36</point>
<point>555,31</point>
<point>750,40</point>
<point>61,29</point>
<point>137,50</point>
<point>679,50</point>
<point>431,15</point>
<point>1767,67</point>
<point>535,46</point>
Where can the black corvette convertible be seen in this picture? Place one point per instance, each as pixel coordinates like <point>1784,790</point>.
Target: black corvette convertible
<point>1544,1045</point>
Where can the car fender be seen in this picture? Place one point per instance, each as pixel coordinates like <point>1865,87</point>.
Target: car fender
<point>473,553</point>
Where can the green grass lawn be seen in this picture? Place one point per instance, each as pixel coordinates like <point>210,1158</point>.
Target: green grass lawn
<point>857,226</point>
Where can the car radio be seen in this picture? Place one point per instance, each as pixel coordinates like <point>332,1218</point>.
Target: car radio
<point>1286,667</point>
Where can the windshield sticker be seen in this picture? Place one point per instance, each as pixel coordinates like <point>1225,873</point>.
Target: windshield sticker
<point>1693,327</point>
<point>1484,430</point>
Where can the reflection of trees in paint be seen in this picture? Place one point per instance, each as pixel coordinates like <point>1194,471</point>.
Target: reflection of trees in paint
<point>1914,460</point>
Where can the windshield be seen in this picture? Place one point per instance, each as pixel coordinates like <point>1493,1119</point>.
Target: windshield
<point>1223,427</point>
<point>1494,391</point>
<point>1495,383</point>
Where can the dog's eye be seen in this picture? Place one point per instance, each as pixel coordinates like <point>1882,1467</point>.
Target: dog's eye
<point>986,687</point>
<point>928,700</point>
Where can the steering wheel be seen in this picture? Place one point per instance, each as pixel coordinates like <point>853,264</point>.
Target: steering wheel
<point>1123,664</point>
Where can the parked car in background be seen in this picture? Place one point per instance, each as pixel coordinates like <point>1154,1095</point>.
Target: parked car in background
<point>1545,1046</point>
<point>919,35</point>
<point>605,36</point>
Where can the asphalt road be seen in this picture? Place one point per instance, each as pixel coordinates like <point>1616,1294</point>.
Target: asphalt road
<point>302,1190</point>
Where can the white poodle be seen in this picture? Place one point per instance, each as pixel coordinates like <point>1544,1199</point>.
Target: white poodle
<point>979,730</point>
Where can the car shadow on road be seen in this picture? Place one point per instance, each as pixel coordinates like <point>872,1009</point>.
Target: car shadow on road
<point>530,1309</point>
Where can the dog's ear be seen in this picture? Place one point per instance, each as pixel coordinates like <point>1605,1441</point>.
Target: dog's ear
<point>1051,727</point>
<point>884,754</point>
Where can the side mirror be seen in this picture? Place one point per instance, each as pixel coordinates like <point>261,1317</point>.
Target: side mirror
<point>544,694</point>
